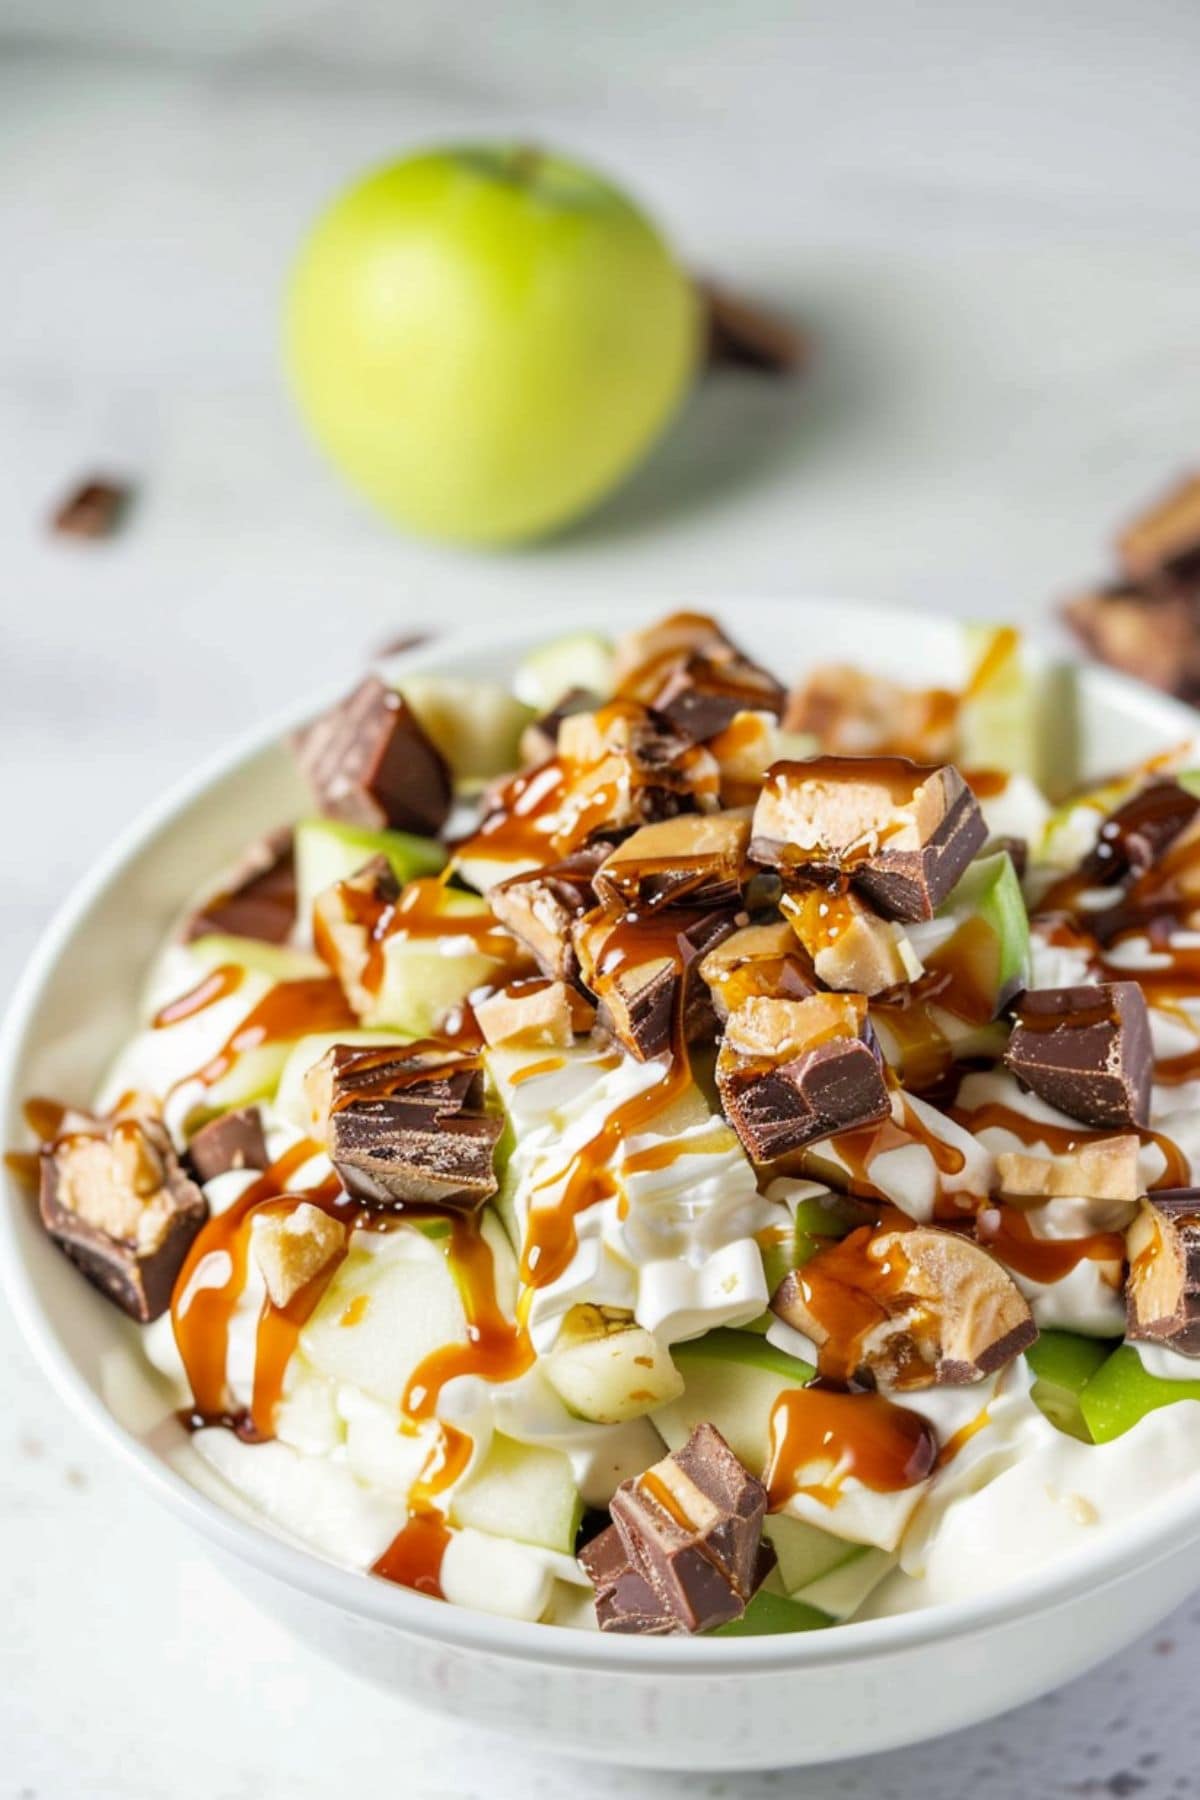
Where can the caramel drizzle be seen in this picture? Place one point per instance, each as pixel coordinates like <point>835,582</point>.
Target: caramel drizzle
<point>858,1149</point>
<point>1065,1140</point>
<point>418,913</point>
<point>860,1435</point>
<point>847,1290</point>
<point>1007,1233</point>
<point>497,1348</point>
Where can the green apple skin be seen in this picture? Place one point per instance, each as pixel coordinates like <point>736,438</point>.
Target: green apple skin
<point>770,1614</point>
<point>486,339</point>
<point>1122,1391</point>
<point>990,891</point>
<point>1063,1362</point>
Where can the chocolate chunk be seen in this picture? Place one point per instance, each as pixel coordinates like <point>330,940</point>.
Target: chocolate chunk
<point>1155,637</point>
<point>1132,838</point>
<point>235,1140</point>
<point>406,1124</point>
<point>1086,1050</point>
<point>541,907</point>
<point>625,1599</point>
<point>1162,1295</point>
<point>692,674</point>
<point>95,509</point>
<point>369,762</point>
<point>691,1529</point>
<point>539,740</point>
<point>644,972</point>
<point>115,1198</point>
<point>744,335</point>
<point>902,832</point>
<point>259,900</point>
<point>1165,535</point>
<point>907,1309</point>
<point>762,961</point>
<point>695,859</point>
<point>792,1071</point>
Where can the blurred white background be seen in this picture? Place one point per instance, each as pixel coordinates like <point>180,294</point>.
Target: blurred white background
<point>990,218</point>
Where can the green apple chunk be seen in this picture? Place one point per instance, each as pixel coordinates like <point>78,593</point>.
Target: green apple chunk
<point>732,1379</point>
<point>521,1491</point>
<point>988,953</point>
<point>388,1307</point>
<point>476,725</point>
<point>291,1099</point>
<point>1063,1363</point>
<point>329,851</point>
<point>425,977</point>
<point>279,962</point>
<point>842,1590</point>
<point>770,1614</point>
<point>805,1552</point>
<point>485,338</point>
<point>1122,1391</point>
<point>606,1368</point>
<point>1014,718</point>
<point>583,659</point>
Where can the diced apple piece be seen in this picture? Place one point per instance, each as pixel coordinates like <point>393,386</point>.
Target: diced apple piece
<point>425,977</point>
<point>988,952</point>
<point>1122,1391</point>
<point>327,850</point>
<point>476,725</point>
<point>280,962</point>
<point>805,1552</point>
<point>387,1308</point>
<point>521,1491</point>
<point>496,1575</point>
<point>732,1380</point>
<point>768,1615</point>
<point>291,1098</point>
<point>1063,1363</point>
<point>841,1592</point>
<point>582,659</point>
<point>378,1448</point>
<point>608,1369</point>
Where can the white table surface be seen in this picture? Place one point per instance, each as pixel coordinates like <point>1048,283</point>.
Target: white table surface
<point>994,238</point>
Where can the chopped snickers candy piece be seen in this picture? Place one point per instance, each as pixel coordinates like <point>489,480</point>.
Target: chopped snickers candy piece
<point>691,1529</point>
<point>689,671</point>
<point>350,920</point>
<point>743,335</point>
<point>94,509</point>
<point>695,859</point>
<point>406,1124</point>
<point>259,900</point>
<point>1097,1169</point>
<point>539,740</point>
<point>235,1140</point>
<point>643,970</point>
<point>1086,1050</point>
<point>792,1071</point>
<point>851,947</point>
<point>540,908</point>
<point>625,1599</point>
<point>1132,838</point>
<point>907,1309</point>
<point>1155,637</point>
<point>369,762</point>
<point>851,713</point>
<point>293,1248</point>
<point>901,831</point>
<point>757,961</point>
<point>533,1013</point>
<point>115,1198</point>
<point>1162,1295</point>
<point>1166,534</point>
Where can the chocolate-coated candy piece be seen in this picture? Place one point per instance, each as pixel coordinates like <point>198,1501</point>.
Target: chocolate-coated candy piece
<point>692,1529</point>
<point>757,961</point>
<point>744,335</point>
<point>1162,1295</point>
<point>692,674</point>
<point>695,859</point>
<point>901,831</point>
<point>1155,637</point>
<point>1086,1050</point>
<point>1132,838</point>
<point>541,907</point>
<point>92,510</point>
<point>115,1198</point>
<point>406,1125</point>
<point>539,740</point>
<point>644,971</point>
<point>792,1071</point>
<point>258,900</point>
<point>625,1600</point>
<point>370,763</point>
<point>1165,535</point>
<point>235,1140</point>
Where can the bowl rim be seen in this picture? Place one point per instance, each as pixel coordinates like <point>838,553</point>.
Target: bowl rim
<point>1152,1535</point>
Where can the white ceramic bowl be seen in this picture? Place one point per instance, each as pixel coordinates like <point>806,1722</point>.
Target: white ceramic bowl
<point>669,1703</point>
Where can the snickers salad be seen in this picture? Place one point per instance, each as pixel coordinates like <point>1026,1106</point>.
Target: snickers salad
<point>663,1151</point>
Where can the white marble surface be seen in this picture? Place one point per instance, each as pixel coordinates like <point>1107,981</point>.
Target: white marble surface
<point>991,225</point>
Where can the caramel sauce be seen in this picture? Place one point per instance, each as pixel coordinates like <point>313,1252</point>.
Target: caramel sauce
<point>1003,647</point>
<point>382,1072</point>
<point>291,1009</point>
<point>963,1435</point>
<point>1065,1140</point>
<point>861,1435</point>
<point>279,1329</point>
<point>217,985</point>
<point>419,912</point>
<point>859,1148</point>
<point>413,1559</point>
<point>986,784</point>
<point>44,1118</point>
<point>653,1484</point>
<point>202,1327</point>
<point>549,1065</point>
<point>497,1348</point>
<point>1006,1232</point>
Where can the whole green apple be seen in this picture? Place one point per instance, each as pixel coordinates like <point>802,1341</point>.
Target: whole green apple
<point>486,339</point>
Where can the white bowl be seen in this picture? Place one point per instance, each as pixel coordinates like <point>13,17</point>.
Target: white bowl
<point>745,1703</point>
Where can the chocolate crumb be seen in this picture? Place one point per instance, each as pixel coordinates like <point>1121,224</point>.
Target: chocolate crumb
<point>94,509</point>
